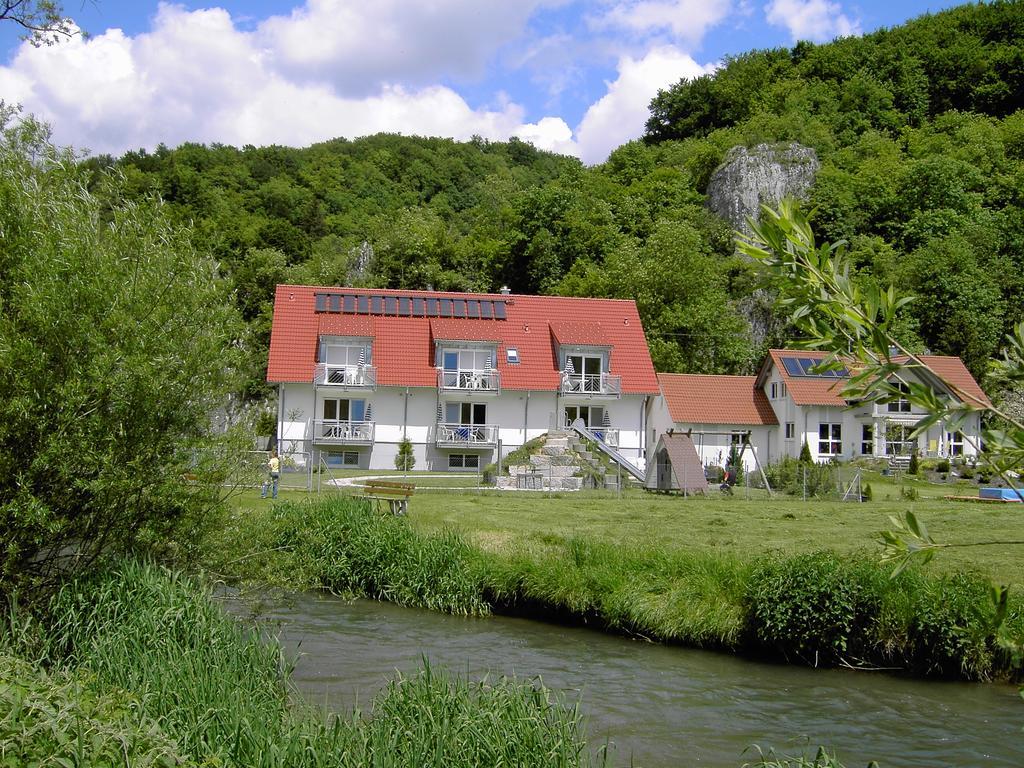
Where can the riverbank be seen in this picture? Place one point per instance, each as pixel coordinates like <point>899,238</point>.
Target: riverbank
<point>139,666</point>
<point>818,609</point>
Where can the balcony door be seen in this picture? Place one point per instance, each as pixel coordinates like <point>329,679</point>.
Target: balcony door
<point>586,370</point>
<point>343,409</point>
<point>592,415</point>
<point>465,413</point>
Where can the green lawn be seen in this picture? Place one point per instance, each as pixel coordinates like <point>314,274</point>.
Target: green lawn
<point>747,527</point>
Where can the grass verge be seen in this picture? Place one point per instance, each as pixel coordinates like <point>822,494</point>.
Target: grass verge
<point>816,608</point>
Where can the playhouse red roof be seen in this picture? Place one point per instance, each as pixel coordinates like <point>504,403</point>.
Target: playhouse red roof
<point>705,399</point>
<point>403,345</point>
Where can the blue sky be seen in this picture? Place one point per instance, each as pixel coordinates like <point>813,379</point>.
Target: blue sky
<point>573,76</point>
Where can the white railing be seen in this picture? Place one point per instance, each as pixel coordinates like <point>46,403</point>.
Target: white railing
<point>591,384</point>
<point>361,376</point>
<point>342,432</point>
<point>466,434</point>
<point>472,381</point>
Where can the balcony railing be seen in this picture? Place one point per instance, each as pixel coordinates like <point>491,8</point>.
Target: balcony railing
<point>591,384</point>
<point>354,376</point>
<point>469,381</point>
<point>343,432</point>
<point>466,435</point>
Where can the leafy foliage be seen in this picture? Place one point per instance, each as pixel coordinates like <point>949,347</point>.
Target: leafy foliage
<point>115,349</point>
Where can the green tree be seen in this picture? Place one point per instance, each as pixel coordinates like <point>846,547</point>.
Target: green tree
<point>115,350</point>
<point>43,21</point>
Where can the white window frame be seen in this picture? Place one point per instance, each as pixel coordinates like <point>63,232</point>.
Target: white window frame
<point>463,461</point>
<point>831,443</point>
<point>790,430</point>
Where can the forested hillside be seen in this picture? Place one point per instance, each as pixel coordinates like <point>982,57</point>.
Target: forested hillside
<point>919,134</point>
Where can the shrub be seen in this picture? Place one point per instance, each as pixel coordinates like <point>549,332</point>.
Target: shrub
<point>942,466</point>
<point>866,493</point>
<point>805,454</point>
<point>814,608</point>
<point>914,465</point>
<point>405,459</point>
<point>115,348</point>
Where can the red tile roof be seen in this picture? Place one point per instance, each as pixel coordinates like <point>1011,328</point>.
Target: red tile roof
<point>345,325</point>
<point>461,330</point>
<point>807,390</point>
<point>581,334</point>
<point>403,350</point>
<point>705,399</point>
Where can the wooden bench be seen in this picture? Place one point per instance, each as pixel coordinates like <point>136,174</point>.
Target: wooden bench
<point>395,494</point>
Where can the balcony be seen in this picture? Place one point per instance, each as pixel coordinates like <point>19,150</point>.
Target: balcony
<point>338,432</point>
<point>466,435</point>
<point>484,382</point>
<point>590,384</point>
<point>345,376</point>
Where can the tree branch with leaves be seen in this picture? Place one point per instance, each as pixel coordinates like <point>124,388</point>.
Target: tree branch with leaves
<point>43,21</point>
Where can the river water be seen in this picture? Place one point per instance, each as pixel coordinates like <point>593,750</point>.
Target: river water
<point>658,706</point>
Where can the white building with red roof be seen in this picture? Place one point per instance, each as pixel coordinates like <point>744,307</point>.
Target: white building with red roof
<point>462,376</point>
<point>790,403</point>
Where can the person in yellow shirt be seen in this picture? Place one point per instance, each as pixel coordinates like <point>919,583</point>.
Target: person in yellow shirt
<point>273,475</point>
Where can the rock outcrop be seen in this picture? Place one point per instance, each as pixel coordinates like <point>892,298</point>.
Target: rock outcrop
<point>765,174</point>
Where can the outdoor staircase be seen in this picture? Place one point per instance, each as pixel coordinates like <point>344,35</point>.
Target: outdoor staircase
<point>562,464</point>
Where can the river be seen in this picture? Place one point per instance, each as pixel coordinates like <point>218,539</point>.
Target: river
<point>658,706</point>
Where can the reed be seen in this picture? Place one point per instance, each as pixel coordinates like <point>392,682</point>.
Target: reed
<point>220,693</point>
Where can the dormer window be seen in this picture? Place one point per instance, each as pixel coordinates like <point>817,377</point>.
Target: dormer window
<point>902,404</point>
<point>468,367</point>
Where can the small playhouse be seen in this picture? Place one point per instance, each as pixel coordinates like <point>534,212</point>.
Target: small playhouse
<point>676,466</point>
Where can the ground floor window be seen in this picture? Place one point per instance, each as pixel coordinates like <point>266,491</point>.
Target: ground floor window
<point>867,439</point>
<point>830,439</point>
<point>342,459</point>
<point>463,461</point>
<point>955,442</point>
<point>898,441</point>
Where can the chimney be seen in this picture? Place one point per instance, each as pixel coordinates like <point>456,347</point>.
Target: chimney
<point>505,290</point>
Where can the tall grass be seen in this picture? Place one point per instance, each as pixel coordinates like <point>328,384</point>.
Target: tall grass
<point>158,642</point>
<point>819,609</point>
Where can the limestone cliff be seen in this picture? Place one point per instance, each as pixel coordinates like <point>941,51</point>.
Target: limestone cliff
<point>766,173</point>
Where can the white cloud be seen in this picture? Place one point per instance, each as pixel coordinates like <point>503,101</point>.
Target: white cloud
<point>359,46</point>
<point>550,133</point>
<point>196,77</point>
<point>817,20</point>
<point>619,116</point>
<point>686,20</point>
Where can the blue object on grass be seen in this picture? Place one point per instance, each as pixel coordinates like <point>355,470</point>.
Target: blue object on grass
<point>1004,494</point>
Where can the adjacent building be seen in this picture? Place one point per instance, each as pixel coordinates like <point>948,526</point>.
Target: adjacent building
<point>790,403</point>
<point>464,377</point>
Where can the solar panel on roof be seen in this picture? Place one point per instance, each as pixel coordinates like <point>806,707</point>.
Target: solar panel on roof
<point>404,306</point>
<point>390,305</point>
<point>321,302</point>
<point>792,366</point>
<point>418,307</point>
<point>499,310</point>
<point>459,308</point>
<point>486,310</point>
<point>472,309</point>
<point>376,305</point>
<point>333,303</point>
<point>350,303</point>
<point>431,307</point>
<point>363,305</point>
<point>446,307</point>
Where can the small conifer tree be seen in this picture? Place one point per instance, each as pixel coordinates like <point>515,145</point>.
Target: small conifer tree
<point>805,454</point>
<point>914,466</point>
<point>405,460</point>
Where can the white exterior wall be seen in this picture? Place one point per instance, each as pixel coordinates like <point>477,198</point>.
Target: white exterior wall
<point>399,411</point>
